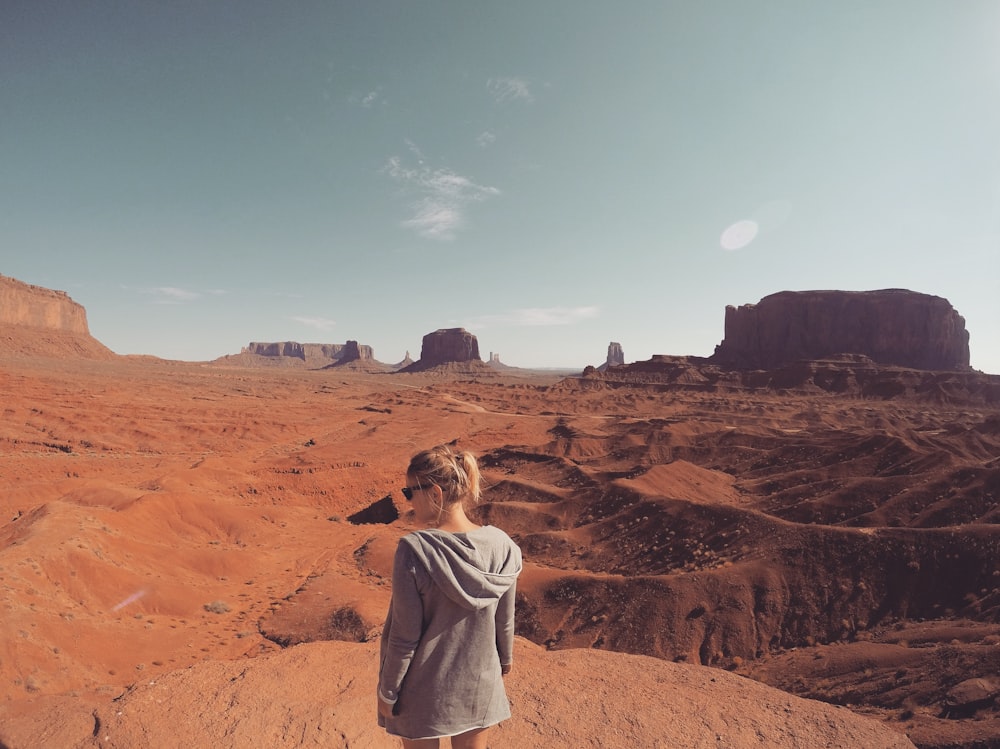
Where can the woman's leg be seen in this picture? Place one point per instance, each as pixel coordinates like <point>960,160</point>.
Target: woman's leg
<point>422,743</point>
<point>474,739</point>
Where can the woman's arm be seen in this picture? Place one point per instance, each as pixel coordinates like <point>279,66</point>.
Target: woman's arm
<point>405,625</point>
<point>505,628</point>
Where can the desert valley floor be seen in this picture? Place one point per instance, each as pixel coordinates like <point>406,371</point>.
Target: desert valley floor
<point>200,555</point>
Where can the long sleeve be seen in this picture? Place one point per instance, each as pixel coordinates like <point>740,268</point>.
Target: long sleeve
<point>505,626</point>
<point>404,625</point>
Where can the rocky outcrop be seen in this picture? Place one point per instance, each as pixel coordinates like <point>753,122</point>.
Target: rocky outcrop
<point>352,351</point>
<point>325,688</point>
<point>35,321</point>
<point>892,327</point>
<point>449,346</point>
<point>845,375</point>
<point>359,358</point>
<point>313,355</point>
<point>616,356</point>
<point>496,365</point>
<point>37,307</point>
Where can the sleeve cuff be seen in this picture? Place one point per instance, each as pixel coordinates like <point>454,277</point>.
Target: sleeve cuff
<point>386,698</point>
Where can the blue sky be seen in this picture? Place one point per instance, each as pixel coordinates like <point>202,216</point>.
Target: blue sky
<point>552,176</point>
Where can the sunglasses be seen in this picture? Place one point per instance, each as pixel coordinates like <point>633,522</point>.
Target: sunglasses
<point>408,491</point>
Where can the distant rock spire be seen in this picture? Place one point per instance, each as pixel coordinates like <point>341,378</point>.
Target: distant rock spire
<point>615,354</point>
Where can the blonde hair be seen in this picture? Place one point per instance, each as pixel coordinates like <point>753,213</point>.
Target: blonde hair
<point>456,473</point>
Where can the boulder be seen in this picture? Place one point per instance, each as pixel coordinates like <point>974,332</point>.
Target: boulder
<point>891,326</point>
<point>966,697</point>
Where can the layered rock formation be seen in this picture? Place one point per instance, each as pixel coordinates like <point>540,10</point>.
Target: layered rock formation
<point>449,346</point>
<point>313,355</point>
<point>616,356</point>
<point>39,321</point>
<point>891,326</point>
<point>354,352</point>
<point>853,375</point>
<point>36,307</point>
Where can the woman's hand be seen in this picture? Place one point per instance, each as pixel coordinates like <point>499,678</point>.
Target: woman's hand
<point>384,708</point>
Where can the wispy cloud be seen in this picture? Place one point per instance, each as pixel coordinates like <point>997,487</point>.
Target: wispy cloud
<point>443,196</point>
<point>366,99</point>
<point>530,316</point>
<point>486,138</point>
<point>506,90</point>
<point>435,219</point>
<point>171,295</point>
<point>319,323</point>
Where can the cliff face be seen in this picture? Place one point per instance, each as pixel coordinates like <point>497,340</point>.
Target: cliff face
<point>312,354</point>
<point>35,321</point>
<point>30,306</point>
<point>449,345</point>
<point>891,326</point>
<point>353,351</point>
<point>616,356</point>
<point>456,348</point>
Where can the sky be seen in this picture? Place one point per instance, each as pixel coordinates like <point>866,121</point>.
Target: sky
<point>551,175</point>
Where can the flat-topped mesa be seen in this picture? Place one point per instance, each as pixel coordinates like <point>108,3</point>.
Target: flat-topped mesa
<point>318,354</point>
<point>449,346</point>
<point>40,322</point>
<point>29,306</point>
<point>353,351</point>
<point>891,326</point>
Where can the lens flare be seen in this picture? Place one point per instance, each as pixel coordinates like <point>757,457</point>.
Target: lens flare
<point>131,599</point>
<point>739,235</point>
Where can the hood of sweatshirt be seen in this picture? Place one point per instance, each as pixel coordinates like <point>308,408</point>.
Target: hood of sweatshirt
<point>473,569</point>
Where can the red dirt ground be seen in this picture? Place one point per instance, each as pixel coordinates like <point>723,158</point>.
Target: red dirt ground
<point>169,530</point>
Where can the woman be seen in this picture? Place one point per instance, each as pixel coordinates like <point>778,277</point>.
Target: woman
<point>449,635</point>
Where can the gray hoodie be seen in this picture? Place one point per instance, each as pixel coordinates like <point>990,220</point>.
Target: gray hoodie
<point>449,629</point>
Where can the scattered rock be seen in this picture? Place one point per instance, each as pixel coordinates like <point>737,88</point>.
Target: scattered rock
<point>965,698</point>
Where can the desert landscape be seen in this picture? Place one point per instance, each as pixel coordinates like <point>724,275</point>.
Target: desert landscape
<point>800,553</point>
